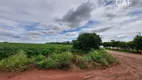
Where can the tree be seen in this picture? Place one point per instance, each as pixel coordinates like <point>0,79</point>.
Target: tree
<point>107,44</point>
<point>123,45</point>
<point>114,43</point>
<point>87,41</point>
<point>138,42</point>
<point>130,45</point>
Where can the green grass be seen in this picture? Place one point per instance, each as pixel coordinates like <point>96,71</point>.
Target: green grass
<point>15,62</point>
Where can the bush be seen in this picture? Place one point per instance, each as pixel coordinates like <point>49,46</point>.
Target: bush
<point>76,51</point>
<point>40,58</point>
<point>102,57</point>
<point>66,59</point>
<point>79,61</point>
<point>87,42</point>
<point>63,60</point>
<point>40,61</point>
<point>54,61</point>
<point>88,58</point>
<point>15,62</point>
<point>50,63</point>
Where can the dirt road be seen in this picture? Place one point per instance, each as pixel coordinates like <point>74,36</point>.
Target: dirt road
<point>129,69</point>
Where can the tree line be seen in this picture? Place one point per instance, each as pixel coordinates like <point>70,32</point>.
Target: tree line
<point>134,45</point>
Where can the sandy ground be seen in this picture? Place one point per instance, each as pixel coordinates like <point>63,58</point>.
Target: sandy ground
<point>129,69</point>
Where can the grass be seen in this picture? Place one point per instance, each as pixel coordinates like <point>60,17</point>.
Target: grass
<point>15,62</point>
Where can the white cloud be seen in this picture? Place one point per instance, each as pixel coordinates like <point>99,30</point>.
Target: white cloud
<point>114,22</point>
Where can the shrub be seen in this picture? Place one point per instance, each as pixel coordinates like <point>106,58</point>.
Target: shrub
<point>87,58</point>
<point>50,63</point>
<point>61,61</point>
<point>40,61</point>
<point>65,59</point>
<point>15,62</point>
<point>54,61</point>
<point>40,58</point>
<point>76,51</point>
<point>102,57</point>
<point>79,61</point>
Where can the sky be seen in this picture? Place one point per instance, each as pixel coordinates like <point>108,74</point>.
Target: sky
<point>41,21</point>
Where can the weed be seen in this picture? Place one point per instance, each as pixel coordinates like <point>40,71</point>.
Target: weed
<point>15,62</point>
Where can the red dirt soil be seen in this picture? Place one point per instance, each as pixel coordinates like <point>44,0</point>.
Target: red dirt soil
<point>129,69</point>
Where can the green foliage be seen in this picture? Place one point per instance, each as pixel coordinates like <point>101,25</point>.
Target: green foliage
<point>88,58</point>
<point>79,61</point>
<point>54,61</point>
<point>49,56</point>
<point>51,63</point>
<point>40,61</point>
<point>6,51</point>
<point>107,44</point>
<point>87,41</point>
<point>102,57</point>
<point>138,42</point>
<point>18,61</point>
<point>40,58</point>
<point>114,43</point>
<point>76,51</point>
<point>132,46</point>
<point>63,60</point>
<point>9,49</point>
<point>122,45</point>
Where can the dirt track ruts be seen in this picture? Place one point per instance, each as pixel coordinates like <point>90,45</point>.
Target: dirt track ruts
<point>129,69</point>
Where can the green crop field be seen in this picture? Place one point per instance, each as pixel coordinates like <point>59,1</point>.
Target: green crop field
<point>22,45</point>
<point>8,49</point>
<point>14,56</point>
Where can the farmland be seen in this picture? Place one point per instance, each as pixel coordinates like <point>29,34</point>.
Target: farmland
<point>81,55</point>
<point>20,45</point>
<point>49,56</point>
<point>7,49</point>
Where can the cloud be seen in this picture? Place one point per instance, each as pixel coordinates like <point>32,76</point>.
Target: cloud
<point>74,18</point>
<point>135,3</point>
<point>41,21</point>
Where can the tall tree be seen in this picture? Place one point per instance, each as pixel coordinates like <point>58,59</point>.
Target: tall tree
<point>138,42</point>
<point>87,41</point>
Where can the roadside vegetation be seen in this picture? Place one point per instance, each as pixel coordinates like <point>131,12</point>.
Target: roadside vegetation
<point>134,46</point>
<point>84,54</point>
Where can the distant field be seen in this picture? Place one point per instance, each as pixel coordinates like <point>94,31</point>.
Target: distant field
<point>8,49</point>
<point>58,46</point>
